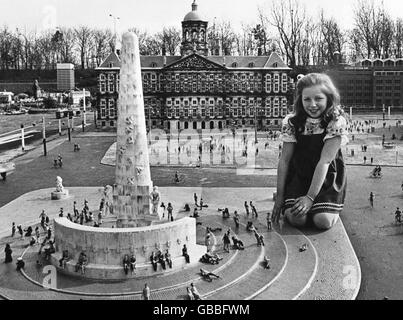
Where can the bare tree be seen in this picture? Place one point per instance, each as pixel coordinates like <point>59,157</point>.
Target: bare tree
<point>263,37</point>
<point>333,38</point>
<point>378,31</point>
<point>374,28</point>
<point>355,44</point>
<point>244,42</point>
<point>308,43</point>
<point>148,44</point>
<point>386,24</point>
<point>83,36</point>
<point>288,18</point>
<point>364,17</point>
<point>37,58</point>
<point>66,45</point>
<point>26,43</point>
<point>16,51</point>
<point>222,35</point>
<point>46,46</point>
<point>398,38</point>
<point>170,38</point>
<point>101,48</point>
<point>6,42</point>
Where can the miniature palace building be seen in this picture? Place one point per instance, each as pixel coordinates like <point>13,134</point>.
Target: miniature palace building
<point>196,90</point>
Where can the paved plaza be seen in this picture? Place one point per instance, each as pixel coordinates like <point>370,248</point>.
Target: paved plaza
<point>372,232</point>
<point>292,274</point>
<point>241,151</point>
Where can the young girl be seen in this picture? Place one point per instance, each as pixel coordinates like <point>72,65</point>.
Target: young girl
<point>311,182</point>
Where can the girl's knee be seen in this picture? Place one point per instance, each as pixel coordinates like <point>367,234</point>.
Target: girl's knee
<point>325,221</point>
<point>299,221</point>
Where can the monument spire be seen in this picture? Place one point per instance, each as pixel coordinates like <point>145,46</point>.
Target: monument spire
<point>131,200</point>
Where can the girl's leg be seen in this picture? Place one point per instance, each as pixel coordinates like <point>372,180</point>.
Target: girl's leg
<point>299,221</point>
<point>325,220</point>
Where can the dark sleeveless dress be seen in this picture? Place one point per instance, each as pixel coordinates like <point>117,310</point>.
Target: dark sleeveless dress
<point>301,169</point>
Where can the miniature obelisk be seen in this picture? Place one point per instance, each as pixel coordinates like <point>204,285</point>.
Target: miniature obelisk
<point>131,199</point>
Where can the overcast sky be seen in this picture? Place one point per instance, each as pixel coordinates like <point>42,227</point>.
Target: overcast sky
<point>153,15</point>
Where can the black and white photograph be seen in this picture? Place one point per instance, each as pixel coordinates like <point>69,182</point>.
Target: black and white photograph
<point>220,150</point>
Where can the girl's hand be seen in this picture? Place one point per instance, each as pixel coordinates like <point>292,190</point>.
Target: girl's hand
<point>277,210</point>
<point>302,206</point>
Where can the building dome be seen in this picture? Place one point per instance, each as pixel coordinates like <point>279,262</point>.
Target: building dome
<point>193,15</point>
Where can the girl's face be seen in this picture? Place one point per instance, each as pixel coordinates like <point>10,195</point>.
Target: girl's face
<point>314,101</point>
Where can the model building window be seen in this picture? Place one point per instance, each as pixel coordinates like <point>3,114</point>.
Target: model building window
<point>268,111</point>
<point>276,83</point>
<point>111,87</point>
<point>102,88</point>
<point>284,82</point>
<point>111,107</point>
<point>102,105</point>
<point>169,112</point>
<point>268,83</point>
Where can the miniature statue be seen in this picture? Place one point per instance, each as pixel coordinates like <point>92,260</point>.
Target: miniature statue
<point>155,199</point>
<point>59,184</point>
<point>108,200</point>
